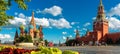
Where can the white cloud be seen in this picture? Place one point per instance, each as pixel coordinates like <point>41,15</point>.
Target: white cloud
<point>45,22</point>
<point>7,36</point>
<point>17,21</point>
<point>64,37</point>
<point>114,11</point>
<point>114,23</point>
<point>64,33</point>
<point>55,10</point>
<point>38,11</point>
<point>87,24</point>
<point>85,29</point>
<point>60,23</point>
<point>39,21</point>
<point>73,23</point>
<point>94,18</point>
<point>16,13</point>
<point>42,21</point>
<point>70,36</point>
<point>21,15</point>
<point>75,30</point>
<point>1,36</point>
<point>4,36</point>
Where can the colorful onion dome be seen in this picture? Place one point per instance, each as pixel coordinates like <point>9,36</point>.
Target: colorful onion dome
<point>31,26</point>
<point>40,27</point>
<point>22,26</point>
<point>37,30</point>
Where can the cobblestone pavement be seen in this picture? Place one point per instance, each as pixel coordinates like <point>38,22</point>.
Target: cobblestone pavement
<point>94,49</point>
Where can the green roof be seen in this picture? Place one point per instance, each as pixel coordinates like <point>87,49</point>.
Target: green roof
<point>22,26</point>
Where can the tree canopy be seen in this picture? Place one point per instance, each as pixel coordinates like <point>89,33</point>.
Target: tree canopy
<point>5,5</point>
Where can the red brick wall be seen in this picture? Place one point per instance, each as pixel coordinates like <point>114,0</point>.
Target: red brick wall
<point>114,36</point>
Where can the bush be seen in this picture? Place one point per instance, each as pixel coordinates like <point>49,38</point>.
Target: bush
<point>69,52</point>
<point>26,38</point>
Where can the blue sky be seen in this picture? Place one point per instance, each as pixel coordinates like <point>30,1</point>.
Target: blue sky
<point>60,18</point>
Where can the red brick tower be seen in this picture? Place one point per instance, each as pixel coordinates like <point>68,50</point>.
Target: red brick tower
<point>100,24</point>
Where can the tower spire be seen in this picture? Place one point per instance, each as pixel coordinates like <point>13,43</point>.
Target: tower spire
<point>33,14</point>
<point>77,34</point>
<point>32,20</point>
<point>101,14</point>
<point>101,3</point>
<point>16,35</point>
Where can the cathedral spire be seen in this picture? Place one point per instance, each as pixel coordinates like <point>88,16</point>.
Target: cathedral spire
<point>101,3</point>
<point>32,20</point>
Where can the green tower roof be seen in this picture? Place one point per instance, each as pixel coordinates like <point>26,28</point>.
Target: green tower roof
<point>101,3</point>
<point>22,26</point>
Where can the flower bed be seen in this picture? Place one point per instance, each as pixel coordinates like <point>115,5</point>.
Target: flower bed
<point>40,50</point>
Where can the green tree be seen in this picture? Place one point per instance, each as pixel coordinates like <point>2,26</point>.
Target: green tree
<point>5,5</point>
<point>70,42</point>
<point>40,39</point>
<point>46,42</point>
<point>21,38</point>
<point>28,38</point>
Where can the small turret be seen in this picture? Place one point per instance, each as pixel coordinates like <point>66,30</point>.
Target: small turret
<point>40,32</point>
<point>40,28</point>
<point>16,37</point>
<point>77,34</point>
<point>22,28</point>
